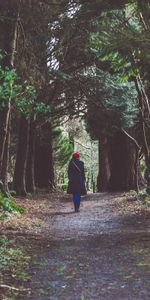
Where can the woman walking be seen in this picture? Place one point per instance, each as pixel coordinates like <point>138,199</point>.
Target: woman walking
<point>76,177</point>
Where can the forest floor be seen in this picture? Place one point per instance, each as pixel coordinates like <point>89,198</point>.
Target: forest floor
<point>102,252</point>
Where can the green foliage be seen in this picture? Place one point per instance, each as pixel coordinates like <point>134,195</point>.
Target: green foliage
<point>143,166</point>
<point>41,107</point>
<point>7,203</point>
<point>115,42</point>
<point>63,186</point>
<point>121,40</point>
<point>27,104</point>
<point>24,96</point>
<point>114,106</point>
<point>62,152</point>
<point>62,146</point>
<point>25,99</point>
<point>122,100</point>
<point>63,76</point>
<point>7,88</point>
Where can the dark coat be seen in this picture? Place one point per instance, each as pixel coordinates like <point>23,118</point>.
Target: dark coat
<point>76,177</point>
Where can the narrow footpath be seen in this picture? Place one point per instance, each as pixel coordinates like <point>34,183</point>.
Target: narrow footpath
<point>100,253</point>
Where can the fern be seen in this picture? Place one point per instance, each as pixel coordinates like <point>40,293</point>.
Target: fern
<point>7,203</point>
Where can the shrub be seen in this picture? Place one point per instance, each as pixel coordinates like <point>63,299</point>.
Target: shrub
<point>7,203</point>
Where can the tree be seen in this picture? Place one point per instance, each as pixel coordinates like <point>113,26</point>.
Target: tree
<point>26,24</point>
<point>121,47</point>
<point>8,39</point>
<point>34,106</point>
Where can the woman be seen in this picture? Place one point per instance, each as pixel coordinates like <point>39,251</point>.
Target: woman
<point>76,178</point>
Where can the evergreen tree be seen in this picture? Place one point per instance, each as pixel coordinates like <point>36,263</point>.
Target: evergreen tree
<point>122,45</point>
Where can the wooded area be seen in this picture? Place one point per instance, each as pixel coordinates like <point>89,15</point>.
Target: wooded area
<point>63,62</point>
<point>74,76</point>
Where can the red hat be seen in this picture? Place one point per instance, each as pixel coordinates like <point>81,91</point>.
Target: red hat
<point>76,155</point>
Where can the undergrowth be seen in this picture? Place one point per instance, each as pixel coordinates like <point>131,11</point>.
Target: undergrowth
<point>10,254</point>
<point>8,204</point>
<point>142,197</point>
<point>14,266</point>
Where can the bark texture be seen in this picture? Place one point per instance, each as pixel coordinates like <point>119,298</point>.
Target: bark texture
<point>30,178</point>
<point>123,163</point>
<point>19,183</point>
<point>104,167</point>
<point>44,167</point>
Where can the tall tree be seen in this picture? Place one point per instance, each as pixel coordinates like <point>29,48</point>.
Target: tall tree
<point>123,44</point>
<point>10,11</point>
<point>32,68</point>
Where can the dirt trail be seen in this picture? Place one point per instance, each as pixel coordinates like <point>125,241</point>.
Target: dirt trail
<point>99,253</point>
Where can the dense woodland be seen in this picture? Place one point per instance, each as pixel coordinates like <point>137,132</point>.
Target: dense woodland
<point>63,61</point>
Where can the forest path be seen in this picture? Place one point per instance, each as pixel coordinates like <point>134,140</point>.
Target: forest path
<point>99,253</point>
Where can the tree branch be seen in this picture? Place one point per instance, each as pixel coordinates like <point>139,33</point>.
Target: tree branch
<point>131,137</point>
<point>13,288</point>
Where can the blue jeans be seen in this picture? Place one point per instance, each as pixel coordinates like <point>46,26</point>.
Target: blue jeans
<point>76,200</point>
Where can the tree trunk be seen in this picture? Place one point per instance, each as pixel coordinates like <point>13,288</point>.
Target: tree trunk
<point>19,182</point>
<point>147,172</point>
<point>30,178</point>
<point>5,117</point>
<point>144,129</point>
<point>104,168</point>
<point>44,167</point>
<point>8,40</point>
<point>123,163</point>
<point>4,169</point>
